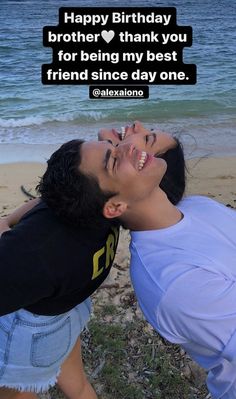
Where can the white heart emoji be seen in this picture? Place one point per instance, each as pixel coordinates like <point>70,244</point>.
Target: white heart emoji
<point>108,35</point>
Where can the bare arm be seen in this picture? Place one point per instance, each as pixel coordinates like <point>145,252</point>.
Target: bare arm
<point>8,221</point>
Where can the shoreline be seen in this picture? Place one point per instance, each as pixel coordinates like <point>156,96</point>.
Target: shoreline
<point>14,153</point>
<point>40,153</point>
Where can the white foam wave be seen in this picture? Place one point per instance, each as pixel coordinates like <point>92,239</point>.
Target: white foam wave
<point>86,116</point>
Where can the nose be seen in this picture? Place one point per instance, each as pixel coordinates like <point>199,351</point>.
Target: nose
<point>124,149</point>
<point>137,126</point>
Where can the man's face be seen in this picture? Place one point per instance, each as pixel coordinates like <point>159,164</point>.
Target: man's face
<point>155,143</point>
<point>124,169</point>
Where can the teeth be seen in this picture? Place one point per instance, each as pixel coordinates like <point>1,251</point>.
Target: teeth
<point>122,133</point>
<point>142,160</point>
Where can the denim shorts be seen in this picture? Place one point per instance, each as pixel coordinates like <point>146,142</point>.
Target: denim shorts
<point>33,347</point>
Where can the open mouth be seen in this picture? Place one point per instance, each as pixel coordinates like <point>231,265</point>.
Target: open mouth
<point>143,160</point>
<point>116,134</point>
<point>119,135</point>
<point>122,134</point>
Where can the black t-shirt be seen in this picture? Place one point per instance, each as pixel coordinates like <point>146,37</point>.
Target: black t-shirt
<point>48,267</point>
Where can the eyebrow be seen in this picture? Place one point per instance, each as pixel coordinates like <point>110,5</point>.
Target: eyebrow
<point>107,157</point>
<point>154,138</point>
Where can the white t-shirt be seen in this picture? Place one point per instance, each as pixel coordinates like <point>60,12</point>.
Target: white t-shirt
<point>184,277</point>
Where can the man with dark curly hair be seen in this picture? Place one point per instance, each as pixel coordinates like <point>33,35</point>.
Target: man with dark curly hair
<point>50,262</point>
<point>50,265</point>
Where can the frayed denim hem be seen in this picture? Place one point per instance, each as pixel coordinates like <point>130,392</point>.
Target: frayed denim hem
<point>33,388</point>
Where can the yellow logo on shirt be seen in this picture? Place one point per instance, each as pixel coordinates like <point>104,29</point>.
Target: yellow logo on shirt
<point>105,256</point>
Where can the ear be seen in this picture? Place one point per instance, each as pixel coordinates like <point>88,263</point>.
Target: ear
<point>114,209</point>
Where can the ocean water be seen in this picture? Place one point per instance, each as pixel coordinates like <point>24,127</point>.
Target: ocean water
<point>203,114</point>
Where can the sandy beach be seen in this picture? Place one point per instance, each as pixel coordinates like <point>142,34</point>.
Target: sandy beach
<point>214,177</point>
<point>12,176</point>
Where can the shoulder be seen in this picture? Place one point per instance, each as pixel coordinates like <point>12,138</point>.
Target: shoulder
<point>197,205</point>
<point>40,213</point>
<point>196,200</point>
<point>200,201</point>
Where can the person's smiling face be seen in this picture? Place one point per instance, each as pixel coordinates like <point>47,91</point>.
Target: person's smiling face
<point>131,173</point>
<point>155,143</point>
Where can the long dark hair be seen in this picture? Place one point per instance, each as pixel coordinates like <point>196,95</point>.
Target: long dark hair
<point>174,180</point>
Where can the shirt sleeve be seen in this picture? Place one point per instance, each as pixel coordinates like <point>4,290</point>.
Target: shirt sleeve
<point>23,280</point>
<point>199,312</point>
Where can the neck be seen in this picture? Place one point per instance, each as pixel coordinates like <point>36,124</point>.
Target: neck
<point>153,213</point>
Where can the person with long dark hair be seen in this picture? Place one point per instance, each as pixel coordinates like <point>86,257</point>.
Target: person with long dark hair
<point>183,257</point>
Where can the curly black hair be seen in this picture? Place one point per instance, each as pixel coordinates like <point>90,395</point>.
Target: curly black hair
<point>73,196</point>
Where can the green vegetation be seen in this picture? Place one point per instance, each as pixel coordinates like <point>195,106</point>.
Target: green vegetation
<point>125,359</point>
<point>131,363</point>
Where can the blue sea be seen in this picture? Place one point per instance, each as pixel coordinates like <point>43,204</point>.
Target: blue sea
<point>203,114</point>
